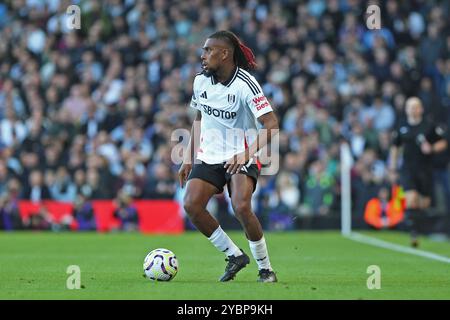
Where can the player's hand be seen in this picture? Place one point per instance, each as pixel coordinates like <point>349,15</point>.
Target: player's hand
<point>183,173</point>
<point>426,147</point>
<point>235,164</point>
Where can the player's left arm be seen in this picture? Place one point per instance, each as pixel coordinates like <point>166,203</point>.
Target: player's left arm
<point>270,128</point>
<point>438,141</point>
<point>439,146</point>
<point>258,104</point>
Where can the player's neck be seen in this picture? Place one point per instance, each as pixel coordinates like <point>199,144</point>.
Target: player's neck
<point>225,74</point>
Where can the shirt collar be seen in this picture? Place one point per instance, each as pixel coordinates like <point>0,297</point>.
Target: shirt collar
<point>229,80</point>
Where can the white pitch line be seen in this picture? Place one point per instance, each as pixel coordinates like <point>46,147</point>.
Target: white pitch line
<point>396,247</point>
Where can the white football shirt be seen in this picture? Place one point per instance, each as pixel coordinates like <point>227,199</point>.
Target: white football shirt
<point>229,114</point>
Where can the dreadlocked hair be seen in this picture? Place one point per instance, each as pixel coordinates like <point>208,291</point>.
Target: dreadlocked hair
<point>243,55</point>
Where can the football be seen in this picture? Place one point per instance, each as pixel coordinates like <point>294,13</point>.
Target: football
<point>160,265</point>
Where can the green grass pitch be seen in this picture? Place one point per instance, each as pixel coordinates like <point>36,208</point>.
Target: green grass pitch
<point>309,265</point>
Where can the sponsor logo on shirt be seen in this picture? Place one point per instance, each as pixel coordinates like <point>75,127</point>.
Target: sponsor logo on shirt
<point>260,102</point>
<point>218,113</point>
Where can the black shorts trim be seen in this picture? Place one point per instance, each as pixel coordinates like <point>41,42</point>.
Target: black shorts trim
<point>217,175</point>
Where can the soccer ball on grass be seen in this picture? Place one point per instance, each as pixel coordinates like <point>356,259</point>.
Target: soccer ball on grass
<point>161,265</point>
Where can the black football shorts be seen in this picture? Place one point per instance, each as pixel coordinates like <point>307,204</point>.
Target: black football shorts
<point>217,175</point>
<point>418,180</point>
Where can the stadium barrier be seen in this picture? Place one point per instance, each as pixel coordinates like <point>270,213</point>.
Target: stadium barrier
<point>154,216</point>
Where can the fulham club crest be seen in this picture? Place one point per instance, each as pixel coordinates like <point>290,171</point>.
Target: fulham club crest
<point>231,98</point>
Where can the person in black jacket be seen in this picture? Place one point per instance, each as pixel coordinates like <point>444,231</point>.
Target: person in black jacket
<point>420,140</point>
<point>36,190</point>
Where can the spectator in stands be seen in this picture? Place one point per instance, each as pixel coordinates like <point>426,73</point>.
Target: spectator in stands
<point>358,141</point>
<point>126,212</point>
<point>36,191</point>
<point>84,214</point>
<point>383,115</point>
<point>9,207</point>
<point>386,210</point>
<point>53,156</point>
<point>131,183</point>
<point>318,195</point>
<point>91,121</point>
<point>63,189</point>
<point>94,189</point>
<point>38,221</point>
<point>431,46</point>
<point>136,146</point>
<point>12,130</point>
<point>280,209</point>
<point>161,183</point>
<point>5,177</point>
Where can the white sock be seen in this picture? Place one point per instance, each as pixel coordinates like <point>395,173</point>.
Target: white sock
<point>259,252</point>
<point>223,243</point>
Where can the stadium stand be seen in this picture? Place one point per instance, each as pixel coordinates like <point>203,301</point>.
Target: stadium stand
<point>89,113</point>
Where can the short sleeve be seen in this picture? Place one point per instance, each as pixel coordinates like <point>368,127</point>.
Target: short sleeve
<point>194,98</point>
<point>396,138</point>
<point>254,97</point>
<point>437,133</point>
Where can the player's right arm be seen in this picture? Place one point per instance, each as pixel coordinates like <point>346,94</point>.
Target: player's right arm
<point>191,150</point>
<point>394,151</point>
<point>194,139</point>
<point>435,141</point>
<point>393,158</point>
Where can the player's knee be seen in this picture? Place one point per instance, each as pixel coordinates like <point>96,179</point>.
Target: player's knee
<point>424,203</point>
<point>412,201</point>
<point>412,205</point>
<point>191,207</point>
<point>242,209</point>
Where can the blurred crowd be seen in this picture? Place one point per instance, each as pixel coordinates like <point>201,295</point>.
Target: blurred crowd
<point>88,114</point>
